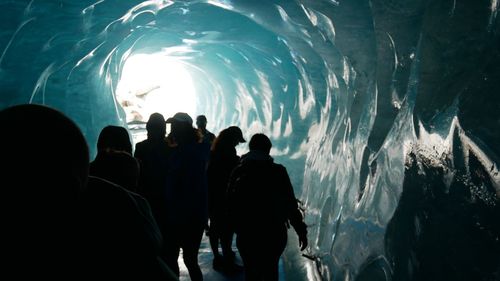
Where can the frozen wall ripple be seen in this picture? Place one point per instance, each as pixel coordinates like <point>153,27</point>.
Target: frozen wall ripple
<point>386,113</point>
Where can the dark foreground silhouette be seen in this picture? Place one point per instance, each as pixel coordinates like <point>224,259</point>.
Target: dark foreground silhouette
<point>60,224</point>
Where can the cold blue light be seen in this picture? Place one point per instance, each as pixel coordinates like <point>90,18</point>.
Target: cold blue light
<point>385,113</point>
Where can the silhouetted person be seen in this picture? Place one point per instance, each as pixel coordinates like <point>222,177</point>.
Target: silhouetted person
<point>223,159</point>
<point>44,171</point>
<point>186,195</point>
<point>60,224</point>
<point>153,154</point>
<point>114,161</point>
<point>262,204</point>
<point>114,138</point>
<point>121,240</point>
<point>206,135</point>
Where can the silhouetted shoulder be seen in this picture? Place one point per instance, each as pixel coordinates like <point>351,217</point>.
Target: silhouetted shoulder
<point>121,238</point>
<point>280,168</point>
<point>141,143</point>
<point>139,148</point>
<point>118,167</point>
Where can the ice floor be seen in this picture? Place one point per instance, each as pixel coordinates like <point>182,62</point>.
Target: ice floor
<point>209,274</point>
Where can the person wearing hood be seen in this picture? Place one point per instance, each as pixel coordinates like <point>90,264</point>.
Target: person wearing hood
<point>262,205</point>
<point>114,161</point>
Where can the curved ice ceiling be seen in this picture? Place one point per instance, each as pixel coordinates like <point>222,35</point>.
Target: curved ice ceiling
<point>386,113</point>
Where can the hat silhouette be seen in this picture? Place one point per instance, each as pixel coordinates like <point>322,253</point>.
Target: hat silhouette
<point>180,117</point>
<point>236,133</point>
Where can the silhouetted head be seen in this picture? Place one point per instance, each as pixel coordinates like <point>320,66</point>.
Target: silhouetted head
<point>181,117</point>
<point>156,126</point>
<point>236,134</point>
<point>45,154</point>
<point>45,167</point>
<point>114,138</point>
<point>182,128</point>
<point>260,142</point>
<point>201,122</point>
<point>230,136</point>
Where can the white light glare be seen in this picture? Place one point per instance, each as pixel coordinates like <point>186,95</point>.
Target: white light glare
<point>152,83</point>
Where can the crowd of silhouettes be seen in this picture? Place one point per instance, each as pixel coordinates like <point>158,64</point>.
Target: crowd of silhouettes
<point>127,215</point>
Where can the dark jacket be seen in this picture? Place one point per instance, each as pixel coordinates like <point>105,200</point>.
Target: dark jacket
<point>119,236</point>
<point>261,196</point>
<point>222,162</point>
<point>117,167</point>
<point>186,185</point>
<point>153,159</point>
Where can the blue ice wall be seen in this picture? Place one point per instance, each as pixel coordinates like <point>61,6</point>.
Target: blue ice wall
<point>386,113</point>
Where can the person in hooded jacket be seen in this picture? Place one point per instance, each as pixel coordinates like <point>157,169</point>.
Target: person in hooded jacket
<point>262,205</point>
<point>114,161</point>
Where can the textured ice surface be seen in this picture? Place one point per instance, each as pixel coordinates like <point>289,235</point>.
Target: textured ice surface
<point>386,113</point>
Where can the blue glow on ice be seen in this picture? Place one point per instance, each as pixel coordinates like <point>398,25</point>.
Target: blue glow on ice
<point>385,113</point>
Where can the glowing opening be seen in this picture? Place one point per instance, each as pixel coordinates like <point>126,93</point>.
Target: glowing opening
<point>152,83</point>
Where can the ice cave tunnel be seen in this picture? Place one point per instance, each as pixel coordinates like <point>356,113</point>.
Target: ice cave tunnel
<point>386,113</point>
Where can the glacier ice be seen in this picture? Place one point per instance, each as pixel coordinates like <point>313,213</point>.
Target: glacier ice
<point>386,113</point>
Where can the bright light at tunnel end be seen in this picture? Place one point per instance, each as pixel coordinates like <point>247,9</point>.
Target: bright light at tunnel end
<point>152,83</point>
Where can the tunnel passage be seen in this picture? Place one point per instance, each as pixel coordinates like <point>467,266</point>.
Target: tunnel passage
<point>385,113</point>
